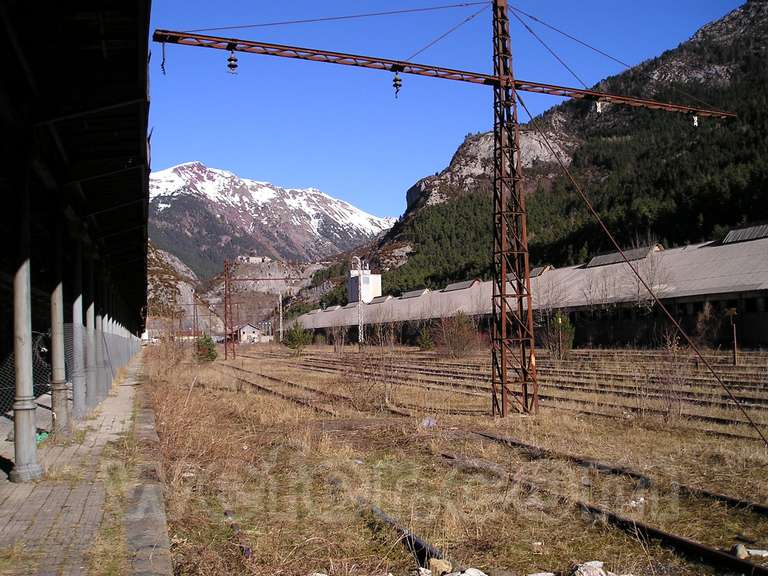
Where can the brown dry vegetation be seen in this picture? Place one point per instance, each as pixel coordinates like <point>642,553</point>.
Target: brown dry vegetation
<point>270,462</point>
<point>265,460</point>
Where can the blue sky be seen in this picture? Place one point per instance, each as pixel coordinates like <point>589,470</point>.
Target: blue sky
<point>340,129</point>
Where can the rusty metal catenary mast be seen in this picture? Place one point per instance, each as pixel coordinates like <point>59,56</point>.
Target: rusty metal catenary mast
<point>512,323</point>
<point>229,325</point>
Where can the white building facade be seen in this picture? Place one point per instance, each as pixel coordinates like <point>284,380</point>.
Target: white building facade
<point>362,285</point>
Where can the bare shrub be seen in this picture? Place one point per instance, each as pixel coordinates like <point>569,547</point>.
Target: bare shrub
<point>371,383</point>
<point>338,337</point>
<point>659,386</point>
<point>164,357</point>
<point>456,336</point>
<point>707,325</point>
<point>382,334</point>
<point>557,334</point>
<point>672,377</point>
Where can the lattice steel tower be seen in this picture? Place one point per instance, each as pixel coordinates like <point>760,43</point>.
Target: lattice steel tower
<point>514,360</point>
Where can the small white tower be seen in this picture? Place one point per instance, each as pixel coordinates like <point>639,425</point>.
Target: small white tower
<point>362,285</point>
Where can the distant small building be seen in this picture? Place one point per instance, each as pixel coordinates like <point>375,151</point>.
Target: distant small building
<point>250,334</point>
<point>362,285</point>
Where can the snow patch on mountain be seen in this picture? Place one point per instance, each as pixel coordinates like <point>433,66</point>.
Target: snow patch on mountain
<point>227,189</point>
<point>204,215</point>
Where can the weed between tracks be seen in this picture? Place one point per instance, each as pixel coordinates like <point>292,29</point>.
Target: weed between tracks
<point>269,461</point>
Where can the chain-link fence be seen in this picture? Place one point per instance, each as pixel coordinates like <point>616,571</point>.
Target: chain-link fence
<point>41,367</point>
<point>114,357</point>
<point>41,371</point>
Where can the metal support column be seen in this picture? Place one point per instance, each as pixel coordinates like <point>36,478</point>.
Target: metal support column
<point>512,323</point>
<point>91,397</point>
<point>99,347</point>
<point>26,467</point>
<point>229,328</point>
<point>78,333</point>
<point>109,367</point>
<point>59,400</point>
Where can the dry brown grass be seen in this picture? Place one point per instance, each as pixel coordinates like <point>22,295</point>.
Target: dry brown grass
<point>14,558</point>
<point>265,458</point>
<point>269,460</point>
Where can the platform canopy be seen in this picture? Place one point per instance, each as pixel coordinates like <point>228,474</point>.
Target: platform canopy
<point>73,116</point>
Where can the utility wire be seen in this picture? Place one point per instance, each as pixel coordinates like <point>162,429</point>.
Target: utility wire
<point>346,17</point>
<point>446,33</point>
<point>541,41</point>
<point>656,300</point>
<point>515,10</point>
<point>567,35</point>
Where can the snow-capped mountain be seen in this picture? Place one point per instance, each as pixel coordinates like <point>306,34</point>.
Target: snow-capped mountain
<point>203,215</point>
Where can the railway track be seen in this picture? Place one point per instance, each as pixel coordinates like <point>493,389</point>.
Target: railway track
<point>405,375</point>
<point>595,384</point>
<point>612,469</point>
<point>302,401</point>
<point>694,550</point>
<point>320,397</point>
<point>753,373</point>
<point>694,386</point>
<point>629,377</point>
<point>563,403</point>
<point>687,547</point>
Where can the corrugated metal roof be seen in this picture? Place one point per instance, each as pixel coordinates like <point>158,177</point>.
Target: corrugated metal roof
<point>381,299</point>
<point>539,270</point>
<point>332,308</point>
<point>615,257</point>
<point>745,234</point>
<point>414,293</point>
<point>315,311</point>
<point>351,305</point>
<point>460,285</point>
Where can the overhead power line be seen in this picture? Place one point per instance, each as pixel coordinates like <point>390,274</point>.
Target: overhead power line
<point>567,35</point>
<point>446,33</point>
<point>344,17</point>
<point>550,50</point>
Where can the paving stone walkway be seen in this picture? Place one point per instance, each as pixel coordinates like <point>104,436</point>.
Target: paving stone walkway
<point>47,527</point>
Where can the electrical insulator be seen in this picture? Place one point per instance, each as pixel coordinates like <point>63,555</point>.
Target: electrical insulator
<point>232,63</point>
<point>397,83</point>
<point>695,120</point>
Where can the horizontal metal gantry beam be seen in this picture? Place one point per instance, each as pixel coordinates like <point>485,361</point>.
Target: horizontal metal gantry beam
<point>314,55</point>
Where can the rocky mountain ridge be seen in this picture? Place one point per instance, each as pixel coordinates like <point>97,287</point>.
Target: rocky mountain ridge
<point>204,215</point>
<point>691,63</point>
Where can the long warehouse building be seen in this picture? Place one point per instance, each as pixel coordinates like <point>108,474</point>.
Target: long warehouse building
<point>603,298</point>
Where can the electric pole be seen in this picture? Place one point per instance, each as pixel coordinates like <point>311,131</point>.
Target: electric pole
<point>360,321</point>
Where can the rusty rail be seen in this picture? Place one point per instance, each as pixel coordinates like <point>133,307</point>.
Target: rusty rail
<point>644,480</point>
<point>690,548</point>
